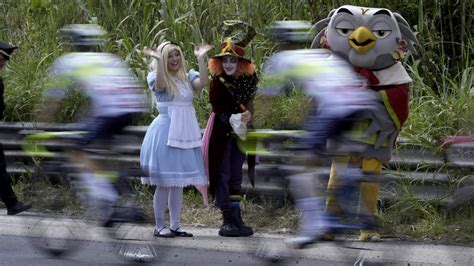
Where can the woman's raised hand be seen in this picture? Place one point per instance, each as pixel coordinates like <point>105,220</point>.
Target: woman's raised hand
<point>201,51</point>
<point>152,52</point>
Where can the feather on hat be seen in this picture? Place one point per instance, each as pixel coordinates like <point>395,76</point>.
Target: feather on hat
<point>236,35</point>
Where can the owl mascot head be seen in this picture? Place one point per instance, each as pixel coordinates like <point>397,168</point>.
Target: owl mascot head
<point>373,40</point>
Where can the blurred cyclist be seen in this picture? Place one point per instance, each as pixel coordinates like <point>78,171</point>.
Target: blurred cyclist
<point>339,99</point>
<point>114,96</point>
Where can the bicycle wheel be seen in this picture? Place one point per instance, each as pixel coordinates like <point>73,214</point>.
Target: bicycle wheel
<point>54,230</point>
<point>271,252</point>
<point>131,238</point>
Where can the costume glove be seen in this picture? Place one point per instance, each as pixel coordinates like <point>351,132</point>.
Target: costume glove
<point>239,123</point>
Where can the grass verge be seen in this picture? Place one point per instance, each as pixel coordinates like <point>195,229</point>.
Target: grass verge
<point>407,218</point>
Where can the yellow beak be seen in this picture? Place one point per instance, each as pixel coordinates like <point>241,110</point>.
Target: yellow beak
<point>362,40</point>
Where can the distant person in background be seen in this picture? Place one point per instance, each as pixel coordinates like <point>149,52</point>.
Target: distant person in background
<point>171,150</point>
<point>6,192</point>
<point>231,95</point>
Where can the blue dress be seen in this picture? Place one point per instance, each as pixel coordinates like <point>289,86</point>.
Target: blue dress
<point>168,163</point>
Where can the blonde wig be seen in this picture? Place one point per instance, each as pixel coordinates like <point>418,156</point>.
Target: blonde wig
<point>165,49</point>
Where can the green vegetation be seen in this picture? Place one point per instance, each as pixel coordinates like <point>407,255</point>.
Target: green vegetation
<point>442,71</point>
<point>415,218</point>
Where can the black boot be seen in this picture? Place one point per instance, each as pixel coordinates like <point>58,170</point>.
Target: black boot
<point>228,227</point>
<point>17,208</point>
<point>244,230</point>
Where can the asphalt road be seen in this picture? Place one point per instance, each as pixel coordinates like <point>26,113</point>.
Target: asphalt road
<point>19,250</point>
<point>206,248</point>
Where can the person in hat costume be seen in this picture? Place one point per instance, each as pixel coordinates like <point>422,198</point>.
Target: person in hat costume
<point>6,192</point>
<point>231,94</point>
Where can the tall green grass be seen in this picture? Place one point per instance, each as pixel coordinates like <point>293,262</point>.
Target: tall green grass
<point>442,69</point>
<point>445,109</point>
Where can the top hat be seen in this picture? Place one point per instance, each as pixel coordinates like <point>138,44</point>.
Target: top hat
<point>235,36</point>
<point>6,50</point>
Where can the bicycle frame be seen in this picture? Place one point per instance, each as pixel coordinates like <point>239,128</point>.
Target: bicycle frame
<point>288,143</point>
<point>34,146</point>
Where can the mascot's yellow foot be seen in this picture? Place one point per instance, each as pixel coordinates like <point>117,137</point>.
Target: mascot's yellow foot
<point>370,235</point>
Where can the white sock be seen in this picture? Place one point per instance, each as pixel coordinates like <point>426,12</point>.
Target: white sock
<point>175,202</point>
<point>160,200</point>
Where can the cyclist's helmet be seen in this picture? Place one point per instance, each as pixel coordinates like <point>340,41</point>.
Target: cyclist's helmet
<point>291,31</point>
<point>84,34</point>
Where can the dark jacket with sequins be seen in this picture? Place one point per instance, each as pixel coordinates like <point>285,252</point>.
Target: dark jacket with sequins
<point>225,95</point>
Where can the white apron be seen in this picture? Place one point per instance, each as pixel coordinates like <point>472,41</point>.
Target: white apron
<point>184,129</point>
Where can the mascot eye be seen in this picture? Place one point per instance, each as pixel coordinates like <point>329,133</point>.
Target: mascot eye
<point>381,33</point>
<point>344,31</point>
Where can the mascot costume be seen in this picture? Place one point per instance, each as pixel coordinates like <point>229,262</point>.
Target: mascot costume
<point>373,40</point>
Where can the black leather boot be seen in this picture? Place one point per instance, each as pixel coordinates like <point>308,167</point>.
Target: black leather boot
<point>244,230</point>
<point>228,227</point>
<point>17,208</point>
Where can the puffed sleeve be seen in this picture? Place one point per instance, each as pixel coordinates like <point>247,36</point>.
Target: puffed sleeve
<point>151,78</point>
<point>192,75</point>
